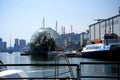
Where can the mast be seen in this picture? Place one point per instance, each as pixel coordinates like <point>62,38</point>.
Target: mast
<point>10,50</point>
<point>10,41</point>
<point>71,33</point>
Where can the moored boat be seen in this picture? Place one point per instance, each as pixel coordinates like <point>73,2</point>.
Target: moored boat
<point>108,48</point>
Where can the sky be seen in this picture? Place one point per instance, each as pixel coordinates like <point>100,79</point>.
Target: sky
<point>21,18</point>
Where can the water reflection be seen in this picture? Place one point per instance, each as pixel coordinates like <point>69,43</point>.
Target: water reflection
<point>103,70</point>
<point>42,58</point>
<point>40,71</point>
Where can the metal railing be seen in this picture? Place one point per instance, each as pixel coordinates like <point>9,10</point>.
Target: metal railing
<point>78,70</point>
<point>44,78</point>
<point>117,64</point>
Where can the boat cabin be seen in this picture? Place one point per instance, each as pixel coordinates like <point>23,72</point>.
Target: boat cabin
<point>95,47</point>
<point>107,39</point>
<point>108,42</point>
<point>110,38</point>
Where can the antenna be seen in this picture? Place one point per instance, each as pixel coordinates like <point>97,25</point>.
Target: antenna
<point>43,22</point>
<point>56,25</point>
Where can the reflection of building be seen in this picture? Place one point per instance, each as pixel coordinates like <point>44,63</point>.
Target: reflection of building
<point>110,25</point>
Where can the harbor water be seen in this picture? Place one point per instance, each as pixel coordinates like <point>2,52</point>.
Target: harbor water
<point>48,71</point>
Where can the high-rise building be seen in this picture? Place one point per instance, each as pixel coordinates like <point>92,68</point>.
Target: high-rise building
<point>0,44</point>
<point>16,43</point>
<point>19,45</point>
<point>4,46</point>
<point>22,43</point>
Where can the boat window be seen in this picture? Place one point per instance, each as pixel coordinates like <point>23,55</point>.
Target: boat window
<point>108,41</point>
<point>113,47</point>
<point>93,47</point>
<point>111,36</point>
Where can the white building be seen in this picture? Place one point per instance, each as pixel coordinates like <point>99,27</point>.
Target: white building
<point>101,27</point>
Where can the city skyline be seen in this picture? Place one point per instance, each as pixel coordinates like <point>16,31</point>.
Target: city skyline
<point>14,42</point>
<point>21,18</point>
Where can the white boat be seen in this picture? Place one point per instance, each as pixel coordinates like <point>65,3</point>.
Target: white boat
<point>6,73</point>
<point>109,48</point>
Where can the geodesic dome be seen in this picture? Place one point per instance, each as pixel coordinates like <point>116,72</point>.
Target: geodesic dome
<point>44,33</point>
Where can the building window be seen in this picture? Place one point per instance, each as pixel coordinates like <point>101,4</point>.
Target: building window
<point>109,23</point>
<point>116,21</point>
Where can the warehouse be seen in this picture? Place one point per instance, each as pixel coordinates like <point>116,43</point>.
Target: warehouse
<point>103,26</point>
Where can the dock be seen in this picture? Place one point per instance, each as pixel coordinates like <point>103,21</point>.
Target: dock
<point>77,54</point>
<point>70,54</point>
<point>55,53</point>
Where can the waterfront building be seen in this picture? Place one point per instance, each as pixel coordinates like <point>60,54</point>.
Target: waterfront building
<point>105,26</point>
<point>22,43</point>
<point>16,43</point>
<point>4,46</point>
<point>0,44</point>
<point>70,40</point>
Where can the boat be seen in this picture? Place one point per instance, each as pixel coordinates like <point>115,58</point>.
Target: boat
<point>6,73</point>
<point>25,52</point>
<point>108,48</point>
<point>71,53</point>
<point>10,51</point>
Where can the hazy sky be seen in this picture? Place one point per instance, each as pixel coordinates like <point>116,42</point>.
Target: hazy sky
<point>22,18</point>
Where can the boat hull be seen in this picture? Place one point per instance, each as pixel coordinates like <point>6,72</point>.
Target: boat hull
<point>105,54</point>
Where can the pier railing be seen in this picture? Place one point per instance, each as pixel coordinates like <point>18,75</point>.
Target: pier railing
<point>100,70</point>
<point>53,77</point>
<point>86,70</point>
